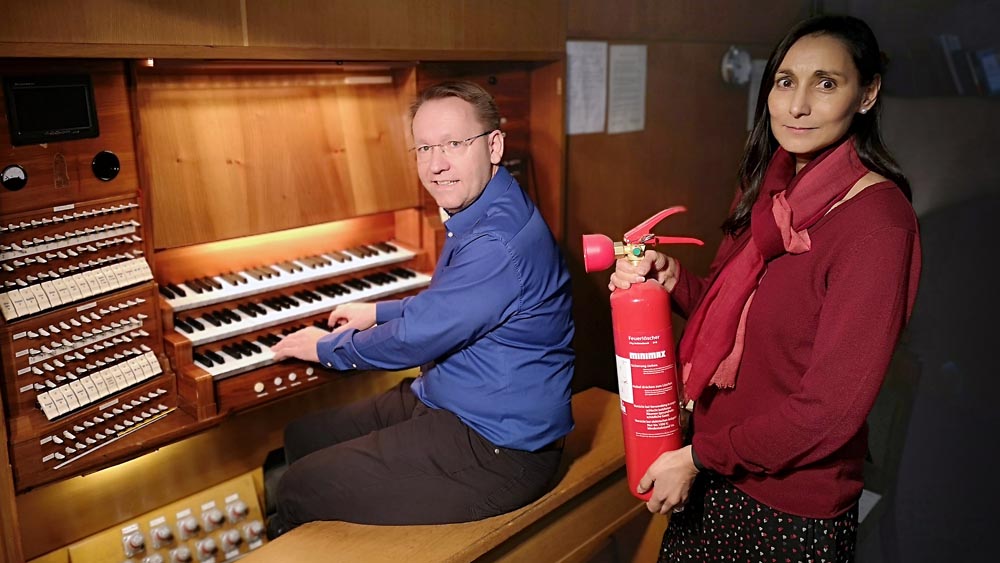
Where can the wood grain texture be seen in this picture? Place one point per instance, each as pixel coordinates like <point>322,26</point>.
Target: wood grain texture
<point>593,453</point>
<point>169,22</point>
<point>717,21</point>
<point>497,25</point>
<point>232,154</point>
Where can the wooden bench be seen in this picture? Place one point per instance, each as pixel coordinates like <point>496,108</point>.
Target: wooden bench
<point>573,522</point>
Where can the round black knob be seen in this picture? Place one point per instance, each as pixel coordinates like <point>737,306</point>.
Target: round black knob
<point>14,177</point>
<point>105,166</point>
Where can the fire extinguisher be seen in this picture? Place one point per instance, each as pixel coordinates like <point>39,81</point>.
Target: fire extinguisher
<point>644,349</point>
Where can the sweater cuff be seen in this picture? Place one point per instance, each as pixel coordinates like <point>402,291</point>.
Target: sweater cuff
<point>697,462</point>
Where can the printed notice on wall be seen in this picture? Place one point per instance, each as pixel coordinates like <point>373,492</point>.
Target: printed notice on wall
<point>627,85</point>
<point>587,72</point>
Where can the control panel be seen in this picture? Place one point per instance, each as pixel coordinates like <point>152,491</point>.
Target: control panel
<point>215,526</point>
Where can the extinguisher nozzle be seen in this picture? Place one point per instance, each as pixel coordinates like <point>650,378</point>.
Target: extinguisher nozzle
<point>598,253</point>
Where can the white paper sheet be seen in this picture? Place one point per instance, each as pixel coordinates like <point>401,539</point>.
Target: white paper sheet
<point>627,97</point>
<point>586,100</point>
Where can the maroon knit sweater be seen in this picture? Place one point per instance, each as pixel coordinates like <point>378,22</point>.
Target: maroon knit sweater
<point>819,336</point>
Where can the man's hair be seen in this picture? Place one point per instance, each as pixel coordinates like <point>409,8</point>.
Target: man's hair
<point>481,100</point>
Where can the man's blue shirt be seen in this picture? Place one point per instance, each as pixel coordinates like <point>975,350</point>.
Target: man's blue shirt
<point>493,331</point>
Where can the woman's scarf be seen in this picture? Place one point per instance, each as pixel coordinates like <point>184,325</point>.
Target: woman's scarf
<point>788,204</point>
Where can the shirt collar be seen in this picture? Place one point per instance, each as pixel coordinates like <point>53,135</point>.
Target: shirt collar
<point>463,221</point>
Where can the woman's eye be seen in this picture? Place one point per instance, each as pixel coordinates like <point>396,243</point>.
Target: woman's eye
<point>784,82</point>
<point>827,84</point>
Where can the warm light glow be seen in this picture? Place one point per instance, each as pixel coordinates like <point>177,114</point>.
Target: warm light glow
<point>149,62</point>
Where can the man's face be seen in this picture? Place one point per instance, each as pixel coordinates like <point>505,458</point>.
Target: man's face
<point>456,174</point>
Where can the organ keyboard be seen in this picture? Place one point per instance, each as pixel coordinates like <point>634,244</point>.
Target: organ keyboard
<point>220,326</point>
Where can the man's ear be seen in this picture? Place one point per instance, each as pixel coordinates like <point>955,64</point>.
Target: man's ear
<point>495,140</point>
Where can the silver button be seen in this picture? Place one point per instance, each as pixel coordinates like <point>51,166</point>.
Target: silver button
<point>354,366</point>
<point>329,364</point>
<point>450,234</point>
<point>496,451</point>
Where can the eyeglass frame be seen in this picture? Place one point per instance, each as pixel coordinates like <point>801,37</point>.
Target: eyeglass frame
<point>430,148</point>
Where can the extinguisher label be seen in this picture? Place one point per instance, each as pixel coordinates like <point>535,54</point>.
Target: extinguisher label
<point>648,375</point>
<point>624,379</point>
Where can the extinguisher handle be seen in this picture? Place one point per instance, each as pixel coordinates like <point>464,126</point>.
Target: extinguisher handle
<point>642,233</point>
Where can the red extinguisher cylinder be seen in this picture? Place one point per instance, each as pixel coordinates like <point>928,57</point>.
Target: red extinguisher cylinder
<point>647,377</point>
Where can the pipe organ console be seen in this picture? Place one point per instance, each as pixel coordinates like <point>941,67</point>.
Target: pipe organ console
<point>137,308</point>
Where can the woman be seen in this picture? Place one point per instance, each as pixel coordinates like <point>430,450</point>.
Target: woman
<point>790,335</point>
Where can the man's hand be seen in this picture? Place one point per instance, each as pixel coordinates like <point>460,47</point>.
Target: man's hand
<point>352,315</point>
<point>670,477</point>
<point>301,345</point>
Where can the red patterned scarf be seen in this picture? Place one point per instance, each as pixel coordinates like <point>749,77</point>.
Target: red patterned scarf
<point>788,204</point>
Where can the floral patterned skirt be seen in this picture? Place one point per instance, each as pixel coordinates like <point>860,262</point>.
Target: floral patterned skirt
<point>720,523</point>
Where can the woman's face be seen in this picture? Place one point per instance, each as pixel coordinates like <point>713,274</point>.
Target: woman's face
<point>815,95</point>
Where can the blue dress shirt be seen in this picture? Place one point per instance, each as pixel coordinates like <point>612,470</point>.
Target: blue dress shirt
<point>493,331</point>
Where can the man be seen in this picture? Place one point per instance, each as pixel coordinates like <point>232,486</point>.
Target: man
<point>480,432</point>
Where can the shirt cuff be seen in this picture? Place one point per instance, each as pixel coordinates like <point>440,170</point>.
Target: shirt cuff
<point>334,351</point>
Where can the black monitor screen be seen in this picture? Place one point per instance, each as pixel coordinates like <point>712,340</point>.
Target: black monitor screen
<point>48,109</point>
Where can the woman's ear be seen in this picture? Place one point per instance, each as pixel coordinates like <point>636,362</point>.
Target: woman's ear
<point>870,94</point>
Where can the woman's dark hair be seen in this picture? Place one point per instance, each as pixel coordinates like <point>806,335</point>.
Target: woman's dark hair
<point>860,42</point>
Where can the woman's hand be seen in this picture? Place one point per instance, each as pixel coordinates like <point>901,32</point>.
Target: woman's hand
<point>670,477</point>
<point>654,265</point>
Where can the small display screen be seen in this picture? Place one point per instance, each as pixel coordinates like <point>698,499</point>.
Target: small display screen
<point>48,109</point>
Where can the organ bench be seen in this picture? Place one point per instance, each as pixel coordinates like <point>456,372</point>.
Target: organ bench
<point>588,506</point>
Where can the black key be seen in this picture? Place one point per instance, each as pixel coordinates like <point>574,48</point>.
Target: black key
<point>195,285</point>
<point>314,295</point>
<point>289,301</point>
<point>180,292</point>
<point>219,316</point>
<point>260,310</point>
<point>246,309</point>
<point>356,252</point>
<point>327,291</point>
<point>339,256</point>
<point>253,348</point>
<point>204,361</point>
<point>195,323</point>
<point>230,314</point>
<point>211,319</point>
<point>215,357</point>
<point>211,282</point>
<point>183,326</point>
<point>385,247</point>
<point>165,291</point>
<point>272,305</point>
<point>232,351</point>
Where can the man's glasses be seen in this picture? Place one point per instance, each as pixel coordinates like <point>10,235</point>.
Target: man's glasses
<point>449,148</point>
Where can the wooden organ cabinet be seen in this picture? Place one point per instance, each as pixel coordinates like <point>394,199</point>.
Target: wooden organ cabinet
<point>250,197</point>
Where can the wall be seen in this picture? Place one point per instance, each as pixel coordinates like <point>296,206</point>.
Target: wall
<point>687,154</point>
<point>943,508</point>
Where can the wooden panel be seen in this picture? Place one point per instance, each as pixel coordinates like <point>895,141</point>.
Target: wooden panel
<point>170,22</point>
<point>547,144</point>
<point>684,20</point>
<point>10,545</point>
<point>59,173</point>
<point>231,153</point>
<point>490,25</point>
